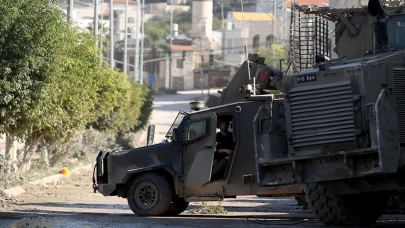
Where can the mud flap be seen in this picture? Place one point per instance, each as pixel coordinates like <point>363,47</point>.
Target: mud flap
<point>387,132</point>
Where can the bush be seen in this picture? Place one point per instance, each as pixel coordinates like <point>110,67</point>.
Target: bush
<point>208,209</point>
<point>82,146</point>
<point>146,109</point>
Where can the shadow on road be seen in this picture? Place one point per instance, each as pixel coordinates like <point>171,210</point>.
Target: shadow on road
<point>230,208</point>
<point>271,220</point>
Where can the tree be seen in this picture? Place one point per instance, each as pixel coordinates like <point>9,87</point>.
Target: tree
<point>280,53</point>
<point>183,19</point>
<point>46,74</point>
<point>28,30</point>
<point>70,92</point>
<point>105,39</point>
<point>156,30</point>
<point>51,81</point>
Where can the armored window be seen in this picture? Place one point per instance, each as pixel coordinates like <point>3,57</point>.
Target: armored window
<point>280,109</point>
<point>196,130</point>
<point>396,32</point>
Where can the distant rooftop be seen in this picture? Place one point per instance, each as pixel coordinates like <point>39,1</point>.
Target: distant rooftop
<point>252,16</point>
<point>320,3</point>
<point>178,47</point>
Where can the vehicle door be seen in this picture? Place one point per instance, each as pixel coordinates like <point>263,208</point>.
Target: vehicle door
<point>199,140</point>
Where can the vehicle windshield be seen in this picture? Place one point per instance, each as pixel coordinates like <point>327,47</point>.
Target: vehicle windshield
<point>176,123</point>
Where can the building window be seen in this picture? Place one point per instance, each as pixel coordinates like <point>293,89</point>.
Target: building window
<point>256,41</point>
<point>131,20</point>
<point>270,39</point>
<point>180,63</point>
<point>131,61</point>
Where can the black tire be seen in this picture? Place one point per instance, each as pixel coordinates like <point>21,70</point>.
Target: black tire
<point>150,195</point>
<point>178,205</point>
<point>395,205</point>
<point>302,202</point>
<point>355,210</point>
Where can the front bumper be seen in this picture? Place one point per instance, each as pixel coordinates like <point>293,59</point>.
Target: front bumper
<point>106,189</point>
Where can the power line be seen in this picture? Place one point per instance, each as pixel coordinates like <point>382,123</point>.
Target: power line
<point>207,50</point>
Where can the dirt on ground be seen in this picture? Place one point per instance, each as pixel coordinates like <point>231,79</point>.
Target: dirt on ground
<point>73,198</point>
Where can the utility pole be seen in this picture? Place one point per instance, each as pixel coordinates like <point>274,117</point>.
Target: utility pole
<point>274,34</point>
<point>126,38</point>
<point>142,39</point>
<point>112,34</point>
<point>201,66</point>
<point>171,43</point>
<point>70,9</point>
<point>223,30</point>
<point>95,18</point>
<point>222,14</point>
<point>137,27</point>
<point>102,30</point>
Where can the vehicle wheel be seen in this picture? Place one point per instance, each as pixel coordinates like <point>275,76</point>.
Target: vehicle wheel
<point>395,205</point>
<point>302,202</point>
<point>150,195</point>
<point>178,206</point>
<point>356,210</point>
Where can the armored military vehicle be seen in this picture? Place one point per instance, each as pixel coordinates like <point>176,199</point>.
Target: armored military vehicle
<point>161,179</point>
<point>345,118</point>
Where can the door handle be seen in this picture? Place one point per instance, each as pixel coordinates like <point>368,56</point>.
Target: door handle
<point>208,147</point>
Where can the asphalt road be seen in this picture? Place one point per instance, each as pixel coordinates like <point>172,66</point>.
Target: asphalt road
<point>71,202</point>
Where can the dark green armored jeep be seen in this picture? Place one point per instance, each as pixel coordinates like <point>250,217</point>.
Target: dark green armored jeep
<point>162,179</point>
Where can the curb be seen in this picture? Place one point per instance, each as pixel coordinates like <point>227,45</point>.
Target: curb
<point>18,190</point>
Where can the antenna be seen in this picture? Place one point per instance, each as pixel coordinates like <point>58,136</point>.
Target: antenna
<point>246,48</point>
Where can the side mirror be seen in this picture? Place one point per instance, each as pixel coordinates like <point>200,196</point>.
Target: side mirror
<point>151,135</point>
<point>175,136</point>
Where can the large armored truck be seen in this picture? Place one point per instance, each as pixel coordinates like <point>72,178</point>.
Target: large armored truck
<point>345,120</point>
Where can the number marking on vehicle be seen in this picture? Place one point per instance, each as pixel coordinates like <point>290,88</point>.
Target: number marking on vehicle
<point>306,78</point>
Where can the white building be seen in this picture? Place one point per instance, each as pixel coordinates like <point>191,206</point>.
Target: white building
<point>83,14</point>
<point>182,69</point>
<point>255,29</point>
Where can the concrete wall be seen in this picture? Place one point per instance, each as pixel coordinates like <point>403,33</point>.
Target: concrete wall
<point>186,72</point>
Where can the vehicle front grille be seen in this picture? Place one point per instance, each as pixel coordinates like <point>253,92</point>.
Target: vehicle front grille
<point>399,85</point>
<point>322,114</point>
<point>100,167</point>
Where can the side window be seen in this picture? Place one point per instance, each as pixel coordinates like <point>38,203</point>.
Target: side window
<point>196,129</point>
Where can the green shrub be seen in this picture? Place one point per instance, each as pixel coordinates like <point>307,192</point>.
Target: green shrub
<point>208,209</point>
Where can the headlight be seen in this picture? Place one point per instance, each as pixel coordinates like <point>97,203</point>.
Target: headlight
<point>100,163</point>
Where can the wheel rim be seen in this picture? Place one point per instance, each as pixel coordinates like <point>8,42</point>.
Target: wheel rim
<point>146,195</point>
